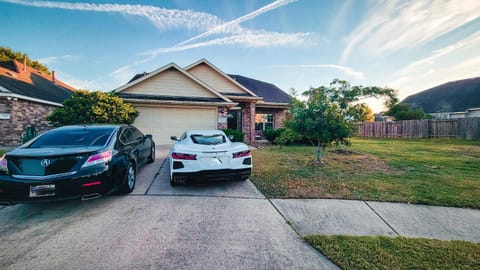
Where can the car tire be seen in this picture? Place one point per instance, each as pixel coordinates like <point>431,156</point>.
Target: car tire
<point>129,179</point>
<point>151,157</point>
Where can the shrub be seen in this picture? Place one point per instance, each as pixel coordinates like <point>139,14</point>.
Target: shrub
<point>288,136</point>
<point>238,136</point>
<point>271,134</point>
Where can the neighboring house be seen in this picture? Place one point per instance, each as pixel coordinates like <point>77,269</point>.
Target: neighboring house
<point>27,96</point>
<point>172,99</point>
<point>472,112</point>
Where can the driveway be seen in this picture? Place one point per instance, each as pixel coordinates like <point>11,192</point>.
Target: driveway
<point>212,226</point>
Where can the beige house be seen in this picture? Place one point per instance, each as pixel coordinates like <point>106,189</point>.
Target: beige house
<point>172,99</point>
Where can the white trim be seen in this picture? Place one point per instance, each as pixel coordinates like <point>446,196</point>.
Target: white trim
<point>174,102</point>
<point>272,105</point>
<point>205,61</point>
<point>164,68</point>
<point>4,89</point>
<point>30,99</point>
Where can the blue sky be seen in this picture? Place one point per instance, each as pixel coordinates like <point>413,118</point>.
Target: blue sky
<point>100,45</point>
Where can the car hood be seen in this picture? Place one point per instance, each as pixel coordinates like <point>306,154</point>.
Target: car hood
<point>46,152</point>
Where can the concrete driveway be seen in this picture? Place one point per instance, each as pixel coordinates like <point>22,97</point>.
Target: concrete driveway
<point>212,226</point>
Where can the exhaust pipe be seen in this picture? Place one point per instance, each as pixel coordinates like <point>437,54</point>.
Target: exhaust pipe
<point>91,196</point>
<point>6,203</point>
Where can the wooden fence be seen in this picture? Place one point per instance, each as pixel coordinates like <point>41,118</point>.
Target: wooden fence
<point>465,128</point>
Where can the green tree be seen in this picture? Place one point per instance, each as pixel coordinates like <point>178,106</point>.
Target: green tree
<point>320,120</point>
<point>7,54</point>
<point>326,116</point>
<point>405,112</point>
<point>85,107</point>
<point>361,113</point>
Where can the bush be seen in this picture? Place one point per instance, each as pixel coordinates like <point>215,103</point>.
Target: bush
<point>288,136</point>
<point>238,136</point>
<point>271,134</point>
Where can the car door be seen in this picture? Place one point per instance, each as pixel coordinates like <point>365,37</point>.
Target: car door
<point>141,144</point>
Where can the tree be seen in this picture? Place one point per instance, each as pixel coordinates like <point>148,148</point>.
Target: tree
<point>361,113</point>
<point>7,54</point>
<point>320,120</point>
<point>85,107</point>
<point>404,112</point>
<point>327,115</point>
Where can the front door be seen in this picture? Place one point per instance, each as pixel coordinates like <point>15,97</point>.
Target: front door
<point>234,120</point>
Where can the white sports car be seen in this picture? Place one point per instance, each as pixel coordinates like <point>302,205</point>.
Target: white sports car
<point>208,155</point>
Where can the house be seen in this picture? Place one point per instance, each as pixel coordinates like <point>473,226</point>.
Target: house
<point>27,96</point>
<point>472,112</point>
<point>172,99</point>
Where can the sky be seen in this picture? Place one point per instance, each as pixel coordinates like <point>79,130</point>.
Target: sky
<point>406,45</point>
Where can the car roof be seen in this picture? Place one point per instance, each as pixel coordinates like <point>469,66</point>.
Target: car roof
<point>88,127</point>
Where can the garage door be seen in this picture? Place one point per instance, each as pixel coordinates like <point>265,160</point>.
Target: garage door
<point>163,122</point>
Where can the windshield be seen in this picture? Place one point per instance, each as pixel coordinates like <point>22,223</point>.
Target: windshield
<point>208,140</point>
<point>73,138</point>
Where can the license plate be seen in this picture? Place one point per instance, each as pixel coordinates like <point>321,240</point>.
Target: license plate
<point>42,191</point>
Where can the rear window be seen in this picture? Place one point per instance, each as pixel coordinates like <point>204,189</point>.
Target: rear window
<point>73,138</point>
<point>208,140</point>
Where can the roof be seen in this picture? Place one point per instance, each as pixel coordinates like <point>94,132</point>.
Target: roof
<point>145,76</point>
<point>31,84</point>
<point>247,92</point>
<point>268,91</point>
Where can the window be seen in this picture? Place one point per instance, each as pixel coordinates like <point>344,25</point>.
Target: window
<point>263,121</point>
<point>208,140</point>
<point>76,137</point>
<point>3,108</point>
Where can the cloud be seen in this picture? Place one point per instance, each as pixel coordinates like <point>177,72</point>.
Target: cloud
<point>161,18</point>
<point>251,39</point>
<point>346,70</point>
<point>54,59</point>
<point>395,25</point>
<point>446,64</point>
<point>233,25</point>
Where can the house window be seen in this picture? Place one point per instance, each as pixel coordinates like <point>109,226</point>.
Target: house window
<point>263,121</point>
<point>3,108</point>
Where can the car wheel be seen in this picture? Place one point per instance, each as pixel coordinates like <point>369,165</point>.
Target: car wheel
<point>129,179</point>
<point>151,158</point>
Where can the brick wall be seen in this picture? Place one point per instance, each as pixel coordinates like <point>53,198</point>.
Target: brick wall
<point>248,121</point>
<point>22,114</point>
<point>222,118</point>
<point>278,118</point>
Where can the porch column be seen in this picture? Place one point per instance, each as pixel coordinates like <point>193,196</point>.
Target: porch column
<point>248,121</point>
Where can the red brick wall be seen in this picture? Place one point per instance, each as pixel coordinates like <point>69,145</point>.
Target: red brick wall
<point>248,121</point>
<point>279,118</point>
<point>222,118</point>
<point>22,114</point>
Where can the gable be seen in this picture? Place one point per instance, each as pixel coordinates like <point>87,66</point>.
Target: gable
<point>170,82</point>
<point>214,79</point>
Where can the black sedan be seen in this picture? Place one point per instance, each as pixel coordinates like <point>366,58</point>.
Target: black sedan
<point>74,162</point>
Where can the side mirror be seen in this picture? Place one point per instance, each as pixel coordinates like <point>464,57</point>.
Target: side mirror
<point>174,138</point>
<point>230,137</point>
<point>148,136</point>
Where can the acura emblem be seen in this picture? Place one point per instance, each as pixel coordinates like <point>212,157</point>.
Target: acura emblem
<point>45,162</point>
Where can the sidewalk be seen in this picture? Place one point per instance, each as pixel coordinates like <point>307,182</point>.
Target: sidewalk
<point>365,218</point>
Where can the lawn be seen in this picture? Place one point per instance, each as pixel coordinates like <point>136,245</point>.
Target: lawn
<point>379,252</point>
<point>427,171</point>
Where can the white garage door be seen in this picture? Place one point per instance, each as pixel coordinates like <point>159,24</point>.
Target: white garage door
<point>163,122</point>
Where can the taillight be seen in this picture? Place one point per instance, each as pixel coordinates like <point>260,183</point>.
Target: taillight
<point>241,154</point>
<point>184,156</point>
<point>3,165</point>
<point>99,158</point>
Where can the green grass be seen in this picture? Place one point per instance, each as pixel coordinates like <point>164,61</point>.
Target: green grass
<point>436,172</point>
<point>379,252</point>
